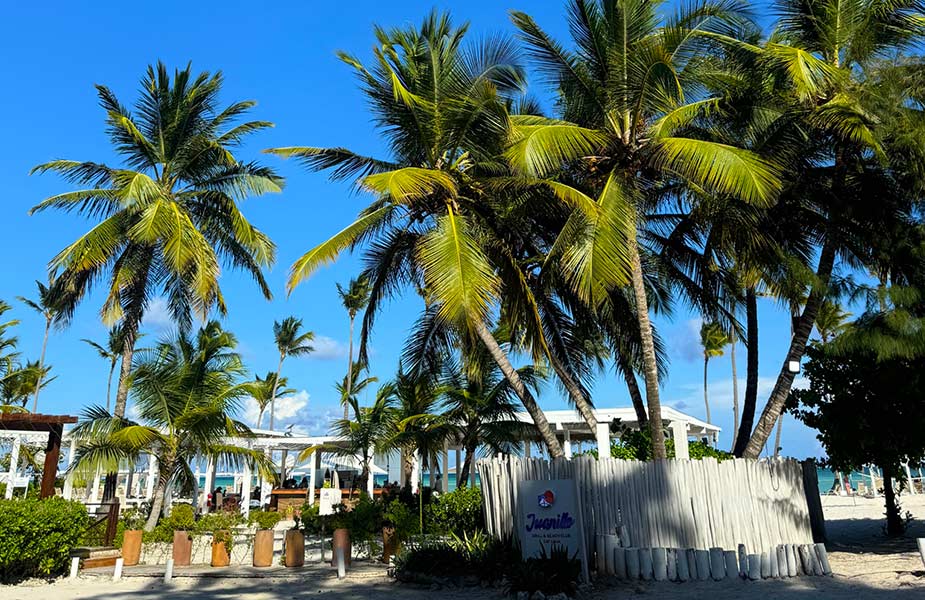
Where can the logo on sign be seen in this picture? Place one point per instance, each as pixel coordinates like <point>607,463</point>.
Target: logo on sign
<point>546,499</point>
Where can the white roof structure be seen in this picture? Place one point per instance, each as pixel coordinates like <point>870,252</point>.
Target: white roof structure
<point>569,420</point>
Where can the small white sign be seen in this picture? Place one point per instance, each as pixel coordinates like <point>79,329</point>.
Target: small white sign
<point>550,515</point>
<point>328,499</point>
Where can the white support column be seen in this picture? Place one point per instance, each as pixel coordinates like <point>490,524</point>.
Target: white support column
<point>208,486</point>
<point>603,440</point>
<point>415,471</point>
<point>152,477</point>
<point>370,477</point>
<point>266,486</point>
<point>14,467</point>
<point>95,487</point>
<point>246,490</point>
<point>312,476</point>
<point>282,467</point>
<point>197,497</point>
<point>567,443</point>
<point>679,435</point>
<point>69,478</point>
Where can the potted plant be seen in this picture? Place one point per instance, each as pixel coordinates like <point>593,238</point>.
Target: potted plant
<point>222,541</point>
<point>264,537</point>
<point>294,546</point>
<point>133,522</point>
<point>340,538</point>
<point>397,523</point>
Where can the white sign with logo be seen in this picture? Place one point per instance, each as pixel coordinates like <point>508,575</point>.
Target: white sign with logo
<point>550,515</point>
<point>329,498</point>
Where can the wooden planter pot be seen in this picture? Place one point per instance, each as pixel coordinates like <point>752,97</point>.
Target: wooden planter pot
<point>182,548</point>
<point>131,547</point>
<point>341,539</point>
<point>221,557</point>
<point>263,548</point>
<point>295,548</point>
<point>389,544</point>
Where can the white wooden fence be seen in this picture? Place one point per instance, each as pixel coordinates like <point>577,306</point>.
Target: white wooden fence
<point>699,504</point>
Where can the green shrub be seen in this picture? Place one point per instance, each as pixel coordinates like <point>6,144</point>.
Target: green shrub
<point>311,521</point>
<point>459,511</point>
<point>36,536</point>
<point>400,516</point>
<point>181,519</point>
<point>265,519</point>
<point>477,555</point>
<point>218,521</point>
<point>552,572</point>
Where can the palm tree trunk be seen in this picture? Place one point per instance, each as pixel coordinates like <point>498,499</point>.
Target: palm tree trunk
<point>804,327</point>
<point>751,371</point>
<point>526,398</point>
<point>650,366</point>
<point>112,369</point>
<point>463,479</point>
<point>576,394</point>
<point>349,385</point>
<point>38,382</point>
<point>629,375</point>
<point>279,370</point>
<point>706,398</point>
<point>735,388</point>
<point>259,418</point>
<point>157,503</point>
<point>130,332</point>
<point>894,523</point>
<point>407,466</point>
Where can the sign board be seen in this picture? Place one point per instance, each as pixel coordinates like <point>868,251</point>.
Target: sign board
<point>550,515</point>
<point>328,499</point>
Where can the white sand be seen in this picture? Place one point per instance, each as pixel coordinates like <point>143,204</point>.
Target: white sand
<point>867,565</point>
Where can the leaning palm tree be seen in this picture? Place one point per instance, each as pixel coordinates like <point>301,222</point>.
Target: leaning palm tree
<point>264,390</point>
<point>169,216</point>
<point>112,352</point>
<point>290,341</point>
<point>187,391</point>
<point>712,339</point>
<point>354,297</point>
<point>626,95</point>
<point>443,109</point>
<point>49,304</point>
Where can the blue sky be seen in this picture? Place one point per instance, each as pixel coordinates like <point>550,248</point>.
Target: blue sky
<point>284,58</point>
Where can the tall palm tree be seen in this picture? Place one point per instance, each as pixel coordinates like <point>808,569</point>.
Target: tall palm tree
<point>49,304</point>
<point>713,340</point>
<point>354,297</point>
<point>290,341</point>
<point>626,94</point>
<point>443,109</point>
<point>263,391</point>
<point>831,320</point>
<point>187,391</point>
<point>419,428</point>
<point>112,352</point>
<point>169,216</point>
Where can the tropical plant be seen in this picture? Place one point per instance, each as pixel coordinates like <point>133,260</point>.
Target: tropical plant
<point>712,339</point>
<point>443,109</point>
<point>290,341</point>
<point>419,429</point>
<point>354,297</point>
<point>170,216</point>
<point>50,304</point>
<point>831,320</point>
<point>186,391</point>
<point>265,390</point>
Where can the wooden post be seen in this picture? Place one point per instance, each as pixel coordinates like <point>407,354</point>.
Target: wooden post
<point>52,452</point>
<point>813,500</point>
<point>679,435</point>
<point>603,440</point>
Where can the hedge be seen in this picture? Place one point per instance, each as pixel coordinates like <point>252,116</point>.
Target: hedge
<point>36,536</point>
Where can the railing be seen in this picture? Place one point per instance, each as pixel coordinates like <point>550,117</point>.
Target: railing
<point>105,519</point>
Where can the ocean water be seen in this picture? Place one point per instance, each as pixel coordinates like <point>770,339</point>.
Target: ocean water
<point>380,480</point>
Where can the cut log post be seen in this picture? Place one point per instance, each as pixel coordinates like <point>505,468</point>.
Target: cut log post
<point>632,563</point>
<point>717,564</point>
<point>624,534</point>
<point>684,571</point>
<point>775,566</point>
<point>823,556</point>
<point>743,562</point>
<point>732,564</point>
<point>782,561</point>
<point>671,556</point>
<point>659,564</point>
<point>611,543</point>
<point>619,562</point>
<point>754,567</point>
<point>75,566</point>
<point>703,564</point>
<point>692,563</point>
<point>601,556</point>
<point>791,561</point>
<point>765,565</point>
<point>805,560</point>
<point>168,570</point>
<point>645,564</point>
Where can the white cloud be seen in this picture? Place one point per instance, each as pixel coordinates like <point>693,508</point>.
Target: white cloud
<point>690,395</point>
<point>327,348</point>
<point>686,342</point>
<point>157,315</point>
<point>289,409</point>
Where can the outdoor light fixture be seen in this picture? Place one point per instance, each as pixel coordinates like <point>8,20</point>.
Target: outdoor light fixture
<point>793,366</point>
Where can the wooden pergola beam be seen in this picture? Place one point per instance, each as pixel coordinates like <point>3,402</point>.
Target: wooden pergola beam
<point>54,425</point>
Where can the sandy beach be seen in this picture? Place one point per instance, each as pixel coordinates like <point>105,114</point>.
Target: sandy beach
<point>867,565</point>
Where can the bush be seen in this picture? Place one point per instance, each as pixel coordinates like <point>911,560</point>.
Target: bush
<point>130,519</point>
<point>218,521</point>
<point>36,536</point>
<point>459,511</point>
<point>476,556</point>
<point>265,519</point>
<point>552,572</point>
<point>181,519</point>
<point>398,515</point>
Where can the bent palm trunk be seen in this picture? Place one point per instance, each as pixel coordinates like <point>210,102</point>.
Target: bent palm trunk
<point>576,394</point>
<point>629,375</point>
<point>750,401</point>
<point>463,479</point>
<point>706,397</point>
<point>38,383</point>
<point>130,329</point>
<point>735,389</point>
<point>526,398</point>
<point>157,503</point>
<point>650,367</point>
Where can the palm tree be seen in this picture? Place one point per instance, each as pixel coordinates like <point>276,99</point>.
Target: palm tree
<point>290,341</point>
<point>187,391</point>
<point>19,382</point>
<point>370,430</point>
<point>169,216</point>
<point>712,339</point>
<point>418,426</point>
<point>831,320</point>
<point>112,352</point>
<point>263,391</point>
<point>354,297</point>
<point>625,97</point>
<point>50,305</point>
<point>443,108</point>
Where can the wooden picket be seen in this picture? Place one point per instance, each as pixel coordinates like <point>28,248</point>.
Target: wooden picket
<point>698,504</point>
